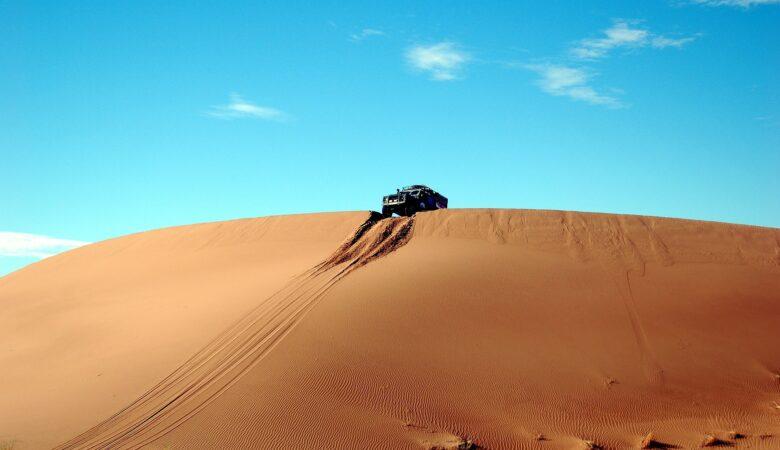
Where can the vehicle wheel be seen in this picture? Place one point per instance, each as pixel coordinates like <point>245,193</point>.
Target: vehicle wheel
<point>386,212</point>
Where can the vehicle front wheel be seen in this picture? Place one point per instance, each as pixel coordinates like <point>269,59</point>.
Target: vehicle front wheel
<point>386,212</point>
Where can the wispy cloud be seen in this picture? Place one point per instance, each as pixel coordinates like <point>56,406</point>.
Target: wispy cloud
<point>34,245</point>
<point>571,82</point>
<point>443,61</point>
<point>663,42</point>
<point>239,108</point>
<point>571,79</point>
<point>365,33</point>
<point>737,3</point>
<point>623,34</point>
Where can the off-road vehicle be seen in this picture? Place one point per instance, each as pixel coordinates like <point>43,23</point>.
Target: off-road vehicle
<point>412,199</point>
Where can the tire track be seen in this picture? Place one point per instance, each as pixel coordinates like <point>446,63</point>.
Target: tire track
<point>216,367</point>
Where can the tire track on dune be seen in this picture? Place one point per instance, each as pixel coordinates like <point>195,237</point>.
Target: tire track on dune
<point>216,367</point>
<point>619,257</point>
<point>652,369</point>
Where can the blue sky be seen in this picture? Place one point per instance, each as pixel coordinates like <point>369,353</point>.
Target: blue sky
<point>117,117</point>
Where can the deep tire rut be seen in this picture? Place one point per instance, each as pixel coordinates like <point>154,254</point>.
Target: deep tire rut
<point>215,368</point>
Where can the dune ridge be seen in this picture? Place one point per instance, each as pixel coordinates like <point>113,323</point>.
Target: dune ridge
<point>628,241</point>
<point>461,329</point>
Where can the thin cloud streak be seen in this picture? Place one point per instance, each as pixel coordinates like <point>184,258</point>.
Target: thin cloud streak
<point>619,35</point>
<point>624,34</point>
<point>571,82</point>
<point>664,42</point>
<point>239,108</point>
<point>443,61</point>
<point>570,79</point>
<point>33,245</point>
<point>365,33</point>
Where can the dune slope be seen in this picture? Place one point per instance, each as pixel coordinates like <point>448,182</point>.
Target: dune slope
<point>504,328</point>
<point>87,332</point>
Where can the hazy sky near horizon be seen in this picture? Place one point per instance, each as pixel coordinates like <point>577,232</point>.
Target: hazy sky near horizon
<point>117,117</point>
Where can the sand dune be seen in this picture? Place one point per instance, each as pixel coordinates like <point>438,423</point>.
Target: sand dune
<point>456,328</point>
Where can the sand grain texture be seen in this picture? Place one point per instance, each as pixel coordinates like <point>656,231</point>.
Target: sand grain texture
<point>457,328</point>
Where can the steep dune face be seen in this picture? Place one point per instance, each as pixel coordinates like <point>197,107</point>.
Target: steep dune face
<point>87,332</point>
<point>503,328</point>
<point>225,360</point>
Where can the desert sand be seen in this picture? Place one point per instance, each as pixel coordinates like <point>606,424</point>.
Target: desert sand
<point>451,329</point>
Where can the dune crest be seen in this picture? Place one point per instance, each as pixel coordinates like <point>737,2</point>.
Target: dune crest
<point>625,241</point>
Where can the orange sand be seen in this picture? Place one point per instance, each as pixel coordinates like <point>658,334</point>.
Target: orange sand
<point>505,328</point>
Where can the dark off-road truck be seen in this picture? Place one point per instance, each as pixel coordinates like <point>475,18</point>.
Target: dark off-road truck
<point>412,199</point>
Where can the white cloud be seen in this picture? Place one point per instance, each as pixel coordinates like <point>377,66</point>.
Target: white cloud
<point>663,42</point>
<point>739,3</point>
<point>622,34</point>
<point>572,82</point>
<point>239,108</point>
<point>443,60</point>
<point>33,245</point>
<point>365,33</point>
